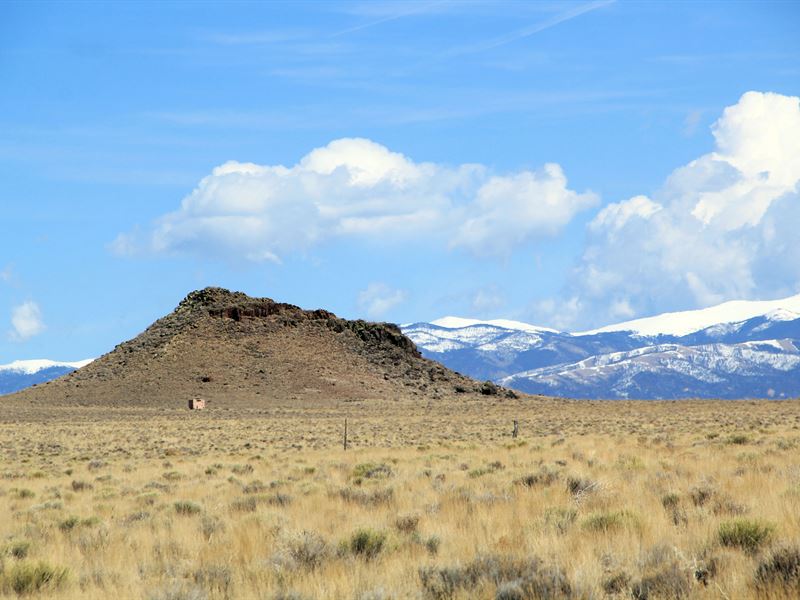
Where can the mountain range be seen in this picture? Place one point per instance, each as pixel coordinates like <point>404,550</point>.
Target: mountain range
<point>25,373</point>
<point>738,349</point>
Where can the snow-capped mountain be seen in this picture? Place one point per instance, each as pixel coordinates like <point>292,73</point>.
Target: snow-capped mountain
<point>733,350</point>
<point>689,321</point>
<point>24,373</point>
<point>768,369</point>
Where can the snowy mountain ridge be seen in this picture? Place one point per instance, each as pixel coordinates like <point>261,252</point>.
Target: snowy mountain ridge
<point>460,323</point>
<point>689,321</point>
<point>733,350</point>
<point>25,373</point>
<point>29,367</point>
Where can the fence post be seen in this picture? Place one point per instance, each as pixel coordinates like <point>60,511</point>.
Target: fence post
<point>345,434</point>
<point>516,429</point>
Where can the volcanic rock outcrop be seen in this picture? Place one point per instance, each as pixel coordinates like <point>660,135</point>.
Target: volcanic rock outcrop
<point>238,351</point>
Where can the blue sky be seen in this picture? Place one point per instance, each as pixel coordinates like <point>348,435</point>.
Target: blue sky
<point>569,164</point>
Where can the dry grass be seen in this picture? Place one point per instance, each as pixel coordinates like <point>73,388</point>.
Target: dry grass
<point>593,500</point>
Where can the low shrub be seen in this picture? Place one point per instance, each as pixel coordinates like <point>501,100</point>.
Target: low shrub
<point>513,578</point>
<point>669,581</point>
<point>406,523</point>
<point>373,498</point>
<point>255,487</point>
<point>560,518</point>
<point>216,579</point>
<point>184,507</point>
<point>616,583</point>
<point>29,578</point>
<point>210,526</point>
<point>738,439</point>
<point>701,494</point>
<point>69,523</point>
<point>289,595</point>
<point>745,534</point>
<point>543,477</point>
<point>136,517</point>
<point>670,501</point>
<point>278,499</point>
<point>19,549</point>
<point>372,471</point>
<point>367,543</point>
<point>432,545</point>
<point>308,549</point>
<point>579,486</point>
<point>779,572</point>
<point>246,504</point>
<point>607,521</point>
<point>490,468</point>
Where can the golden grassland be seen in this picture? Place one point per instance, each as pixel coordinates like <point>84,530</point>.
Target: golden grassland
<point>592,500</point>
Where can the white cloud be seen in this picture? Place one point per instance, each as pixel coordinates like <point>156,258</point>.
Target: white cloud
<point>26,321</point>
<point>510,210</point>
<point>615,216</point>
<point>379,298</point>
<point>725,226</point>
<point>356,187</point>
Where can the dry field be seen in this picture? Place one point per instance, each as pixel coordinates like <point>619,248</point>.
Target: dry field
<point>592,500</point>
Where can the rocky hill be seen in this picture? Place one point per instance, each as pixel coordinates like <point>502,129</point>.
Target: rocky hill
<point>237,351</point>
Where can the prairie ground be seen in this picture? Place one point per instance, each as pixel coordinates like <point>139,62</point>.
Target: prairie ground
<point>591,500</point>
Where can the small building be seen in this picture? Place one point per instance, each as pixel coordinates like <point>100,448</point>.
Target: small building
<point>197,404</point>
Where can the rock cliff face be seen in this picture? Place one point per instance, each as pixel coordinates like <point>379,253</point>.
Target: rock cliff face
<point>234,350</point>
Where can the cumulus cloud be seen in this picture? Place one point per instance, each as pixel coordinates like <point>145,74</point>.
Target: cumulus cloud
<point>724,226</point>
<point>26,321</point>
<point>378,299</point>
<point>509,210</point>
<point>356,187</point>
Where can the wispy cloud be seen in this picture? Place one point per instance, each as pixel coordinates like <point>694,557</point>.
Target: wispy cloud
<point>471,103</point>
<point>378,299</point>
<point>249,38</point>
<point>7,273</point>
<point>691,121</point>
<point>525,32</point>
<point>722,57</point>
<point>229,118</point>
<point>409,11</point>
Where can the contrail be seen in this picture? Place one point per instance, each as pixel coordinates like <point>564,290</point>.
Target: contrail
<point>531,30</point>
<point>420,9</point>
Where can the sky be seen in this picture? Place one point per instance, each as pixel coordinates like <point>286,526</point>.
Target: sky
<point>568,164</point>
